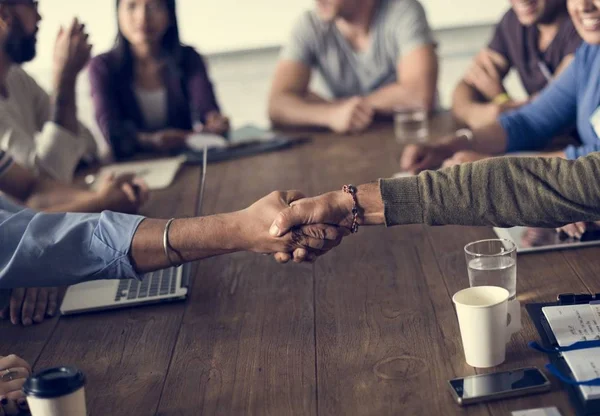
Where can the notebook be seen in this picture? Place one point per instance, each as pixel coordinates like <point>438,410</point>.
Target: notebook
<point>573,323</point>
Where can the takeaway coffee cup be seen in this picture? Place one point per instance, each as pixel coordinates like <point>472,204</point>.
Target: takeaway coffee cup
<point>56,391</point>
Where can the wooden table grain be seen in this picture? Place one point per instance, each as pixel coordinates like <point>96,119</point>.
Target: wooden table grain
<point>369,329</point>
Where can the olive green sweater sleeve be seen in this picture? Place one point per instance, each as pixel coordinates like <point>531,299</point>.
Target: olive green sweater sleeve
<point>503,192</point>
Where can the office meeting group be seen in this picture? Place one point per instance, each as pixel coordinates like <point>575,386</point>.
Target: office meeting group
<point>150,92</point>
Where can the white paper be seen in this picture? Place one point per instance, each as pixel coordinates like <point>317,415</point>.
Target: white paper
<point>571,324</point>
<point>546,411</point>
<point>158,174</point>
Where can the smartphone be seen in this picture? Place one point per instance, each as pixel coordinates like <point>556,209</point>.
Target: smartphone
<point>493,386</point>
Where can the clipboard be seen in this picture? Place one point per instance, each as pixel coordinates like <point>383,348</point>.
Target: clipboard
<point>581,406</point>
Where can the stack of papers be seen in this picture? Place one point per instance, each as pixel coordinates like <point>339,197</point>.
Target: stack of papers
<point>571,324</point>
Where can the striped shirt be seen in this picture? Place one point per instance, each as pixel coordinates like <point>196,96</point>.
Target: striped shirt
<point>5,162</point>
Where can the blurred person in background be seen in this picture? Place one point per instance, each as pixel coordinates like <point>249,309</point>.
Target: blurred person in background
<point>41,131</point>
<point>150,92</point>
<point>374,56</point>
<point>537,39</point>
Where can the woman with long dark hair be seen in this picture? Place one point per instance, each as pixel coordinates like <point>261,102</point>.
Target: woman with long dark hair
<point>150,92</point>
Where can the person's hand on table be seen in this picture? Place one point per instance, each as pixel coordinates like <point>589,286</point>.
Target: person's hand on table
<point>417,158</point>
<point>302,243</point>
<point>576,230</point>
<point>165,140</point>
<point>32,305</point>
<point>216,123</point>
<point>459,158</point>
<point>123,193</point>
<point>13,373</point>
<point>352,115</point>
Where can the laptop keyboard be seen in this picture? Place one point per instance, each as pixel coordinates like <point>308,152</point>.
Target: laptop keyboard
<point>154,284</point>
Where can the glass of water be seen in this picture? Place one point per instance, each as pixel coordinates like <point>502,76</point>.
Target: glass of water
<point>493,263</point>
<point>411,125</point>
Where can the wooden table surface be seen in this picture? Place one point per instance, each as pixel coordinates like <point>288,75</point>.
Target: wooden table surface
<point>369,329</point>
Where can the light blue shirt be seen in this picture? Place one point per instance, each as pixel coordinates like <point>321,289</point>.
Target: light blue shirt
<point>44,249</point>
<point>567,102</point>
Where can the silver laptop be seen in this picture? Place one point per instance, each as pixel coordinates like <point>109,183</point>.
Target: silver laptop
<point>530,240</point>
<point>159,286</point>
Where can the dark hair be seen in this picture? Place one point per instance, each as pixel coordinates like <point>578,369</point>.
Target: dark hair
<point>171,45</point>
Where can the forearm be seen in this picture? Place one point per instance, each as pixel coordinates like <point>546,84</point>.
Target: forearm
<point>466,104</point>
<point>296,110</point>
<point>386,99</point>
<point>64,105</point>
<point>53,196</point>
<point>540,192</point>
<point>191,239</point>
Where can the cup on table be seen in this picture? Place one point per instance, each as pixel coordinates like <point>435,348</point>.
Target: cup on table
<point>493,263</point>
<point>486,324</point>
<point>411,125</point>
<point>56,391</point>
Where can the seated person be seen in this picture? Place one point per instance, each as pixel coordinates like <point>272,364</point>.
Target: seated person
<point>150,92</point>
<point>537,38</point>
<point>374,56</point>
<point>41,132</point>
<point>32,305</point>
<point>14,371</point>
<point>569,101</point>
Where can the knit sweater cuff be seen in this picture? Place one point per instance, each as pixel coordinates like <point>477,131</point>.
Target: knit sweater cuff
<point>401,200</point>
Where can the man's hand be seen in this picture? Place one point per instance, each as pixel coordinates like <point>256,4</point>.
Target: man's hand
<point>416,158</point>
<point>72,52</point>
<point>464,157</point>
<point>124,193</point>
<point>33,305</point>
<point>334,208</point>
<point>353,115</point>
<point>216,123</point>
<point>14,371</point>
<point>306,242</point>
<point>577,229</point>
<point>484,74</point>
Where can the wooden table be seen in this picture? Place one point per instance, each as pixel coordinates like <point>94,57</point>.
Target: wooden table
<point>369,329</point>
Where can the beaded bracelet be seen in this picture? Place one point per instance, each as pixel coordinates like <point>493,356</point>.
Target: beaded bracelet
<point>351,190</point>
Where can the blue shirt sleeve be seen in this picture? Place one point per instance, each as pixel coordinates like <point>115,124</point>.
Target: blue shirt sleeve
<point>532,126</point>
<point>45,249</point>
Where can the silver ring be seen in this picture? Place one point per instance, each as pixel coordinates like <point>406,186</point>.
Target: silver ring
<point>8,375</point>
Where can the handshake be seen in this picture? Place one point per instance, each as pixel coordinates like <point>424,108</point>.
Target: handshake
<point>293,227</point>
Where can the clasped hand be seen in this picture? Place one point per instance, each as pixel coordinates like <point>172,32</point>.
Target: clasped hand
<point>293,227</point>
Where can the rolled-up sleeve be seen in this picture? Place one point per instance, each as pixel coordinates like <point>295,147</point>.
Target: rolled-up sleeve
<point>43,249</point>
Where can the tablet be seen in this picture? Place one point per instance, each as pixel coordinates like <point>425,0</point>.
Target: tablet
<point>529,239</point>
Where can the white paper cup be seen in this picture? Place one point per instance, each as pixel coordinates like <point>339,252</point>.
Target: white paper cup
<point>486,324</point>
<point>56,392</point>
